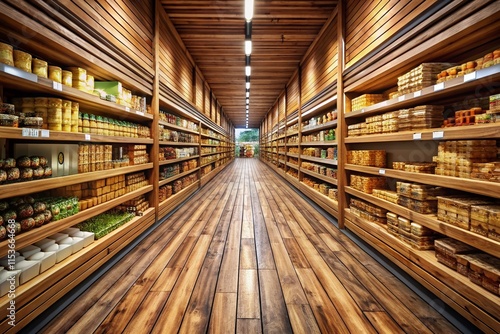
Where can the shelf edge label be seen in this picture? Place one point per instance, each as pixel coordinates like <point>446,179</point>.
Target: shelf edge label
<point>28,132</point>
<point>45,134</point>
<point>87,136</point>
<point>381,171</point>
<point>401,98</point>
<point>57,86</point>
<point>438,134</point>
<point>417,136</point>
<point>439,86</point>
<point>127,109</point>
<point>417,93</point>
<point>470,76</point>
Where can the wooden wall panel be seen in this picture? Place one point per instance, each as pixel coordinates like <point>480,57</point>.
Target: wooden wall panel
<point>206,107</point>
<point>112,40</point>
<point>292,94</point>
<point>175,66</point>
<point>282,106</point>
<point>371,23</point>
<point>200,87</point>
<point>319,68</point>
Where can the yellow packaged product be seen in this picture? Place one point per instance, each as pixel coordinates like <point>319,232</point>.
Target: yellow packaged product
<point>6,54</point>
<point>67,78</point>
<point>22,60</point>
<point>79,74</point>
<point>54,103</point>
<point>55,73</point>
<point>40,68</point>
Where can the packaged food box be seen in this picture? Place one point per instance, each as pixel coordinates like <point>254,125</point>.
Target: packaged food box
<point>480,217</point>
<point>367,183</point>
<point>457,210</point>
<point>424,207</point>
<point>404,224</point>
<point>484,270</point>
<point>447,250</point>
<point>419,230</point>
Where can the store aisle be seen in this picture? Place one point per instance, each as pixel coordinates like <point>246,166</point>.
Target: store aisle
<point>247,254</point>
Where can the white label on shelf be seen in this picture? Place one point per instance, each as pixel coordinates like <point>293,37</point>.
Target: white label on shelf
<point>470,76</point>
<point>87,136</point>
<point>362,110</point>
<point>139,113</point>
<point>45,134</point>
<point>417,136</point>
<point>381,171</point>
<point>57,86</point>
<point>437,134</point>
<point>27,132</point>
<point>401,98</point>
<point>127,109</point>
<point>417,93</point>
<point>439,86</point>
<point>383,103</point>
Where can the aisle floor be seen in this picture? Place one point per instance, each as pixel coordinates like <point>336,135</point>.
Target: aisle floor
<point>248,254</point>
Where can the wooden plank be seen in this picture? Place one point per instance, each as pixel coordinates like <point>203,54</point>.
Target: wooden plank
<point>302,319</point>
<point>296,256</point>
<point>248,326</point>
<point>383,323</point>
<point>146,315</point>
<point>223,317</point>
<point>327,317</point>
<point>274,312</point>
<point>248,295</point>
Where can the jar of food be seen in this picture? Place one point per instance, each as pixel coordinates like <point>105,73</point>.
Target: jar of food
<point>41,102</point>
<point>90,83</point>
<point>67,78</point>
<point>55,73</point>
<point>6,108</point>
<point>9,120</point>
<point>40,67</point>
<point>92,124</point>
<point>33,122</point>
<point>6,54</point>
<point>100,130</point>
<point>28,102</point>
<point>54,116</point>
<point>66,116</point>
<point>105,126</point>
<point>85,123</point>
<point>54,102</point>
<point>22,60</point>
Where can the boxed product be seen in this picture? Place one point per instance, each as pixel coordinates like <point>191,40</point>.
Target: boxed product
<point>367,184</point>
<point>447,250</point>
<point>457,210</point>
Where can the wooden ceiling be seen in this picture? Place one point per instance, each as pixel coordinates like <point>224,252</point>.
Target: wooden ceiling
<point>214,34</point>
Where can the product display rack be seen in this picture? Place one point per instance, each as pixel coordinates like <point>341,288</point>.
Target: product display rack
<point>478,305</point>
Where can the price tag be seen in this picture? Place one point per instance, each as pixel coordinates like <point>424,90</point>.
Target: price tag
<point>381,171</point>
<point>45,134</point>
<point>417,93</point>
<point>417,136</point>
<point>27,132</point>
<point>362,110</point>
<point>139,113</point>
<point>437,135</point>
<point>439,86</point>
<point>383,103</point>
<point>470,76</point>
<point>87,136</point>
<point>57,86</point>
<point>401,98</point>
<point>127,109</point>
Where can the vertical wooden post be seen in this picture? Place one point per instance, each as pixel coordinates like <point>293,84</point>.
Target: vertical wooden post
<point>342,127</point>
<point>155,107</point>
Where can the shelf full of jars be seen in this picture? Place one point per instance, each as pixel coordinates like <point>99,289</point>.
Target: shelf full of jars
<point>75,174</point>
<point>423,177</point>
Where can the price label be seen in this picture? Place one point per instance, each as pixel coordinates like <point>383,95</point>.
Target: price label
<point>439,86</point>
<point>57,86</point>
<point>470,76</point>
<point>363,110</point>
<point>127,109</point>
<point>139,113</point>
<point>381,171</point>
<point>437,135</point>
<point>401,98</point>
<point>417,93</point>
<point>45,133</point>
<point>27,132</point>
<point>87,136</point>
<point>417,136</point>
<point>383,103</point>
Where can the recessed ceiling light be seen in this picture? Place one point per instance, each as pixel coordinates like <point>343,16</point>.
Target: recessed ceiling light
<point>248,47</point>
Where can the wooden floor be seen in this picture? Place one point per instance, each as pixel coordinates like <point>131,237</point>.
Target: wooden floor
<point>248,255</point>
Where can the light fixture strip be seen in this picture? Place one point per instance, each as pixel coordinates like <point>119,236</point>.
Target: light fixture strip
<point>248,10</point>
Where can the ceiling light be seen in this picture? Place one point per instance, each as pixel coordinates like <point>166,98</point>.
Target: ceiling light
<point>248,101</point>
<point>247,85</point>
<point>248,10</point>
<point>248,47</point>
<point>248,107</point>
<point>247,94</point>
<point>248,70</point>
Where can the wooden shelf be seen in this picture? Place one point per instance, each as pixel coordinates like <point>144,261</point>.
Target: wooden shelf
<point>178,128</point>
<point>175,143</point>
<point>210,145</point>
<point>292,134</point>
<point>209,136</point>
<point>209,163</point>
<point>320,160</point>
<point>292,166</point>
<point>48,135</point>
<point>171,161</point>
<point>478,241</point>
<point>319,143</point>
<point>319,176</point>
<point>178,176</point>
<point>292,144</point>
<point>206,154</point>
<point>324,126</point>
<point>486,188</point>
<point>292,155</point>
<point>486,305</point>
<point>14,78</point>
<point>176,199</point>
<point>450,88</point>
<point>30,187</point>
<point>479,131</point>
<point>38,233</point>
<point>207,177</point>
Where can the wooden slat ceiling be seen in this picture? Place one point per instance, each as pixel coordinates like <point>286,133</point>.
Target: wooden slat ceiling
<point>214,33</point>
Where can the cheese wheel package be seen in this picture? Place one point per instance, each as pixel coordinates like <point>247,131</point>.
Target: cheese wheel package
<point>6,54</point>
<point>67,78</point>
<point>40,68</point>
<point>55,74</point>
<point>22,60</point>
